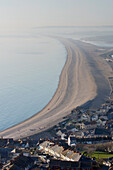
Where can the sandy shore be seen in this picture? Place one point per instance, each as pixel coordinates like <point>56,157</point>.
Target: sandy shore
<point>78,84</point>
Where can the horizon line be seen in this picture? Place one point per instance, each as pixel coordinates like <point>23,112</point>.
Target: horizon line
<point>71,26</point>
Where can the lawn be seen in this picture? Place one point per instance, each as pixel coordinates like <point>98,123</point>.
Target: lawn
<point>99,155</point>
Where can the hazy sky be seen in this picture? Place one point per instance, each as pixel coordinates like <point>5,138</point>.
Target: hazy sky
<point>34,13</point>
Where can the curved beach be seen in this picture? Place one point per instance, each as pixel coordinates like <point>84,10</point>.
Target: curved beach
<point>78,84</point>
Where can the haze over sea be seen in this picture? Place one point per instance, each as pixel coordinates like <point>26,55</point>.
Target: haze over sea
<point>30,66</point>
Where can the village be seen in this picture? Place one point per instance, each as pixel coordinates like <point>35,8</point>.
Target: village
<point>72,144</point>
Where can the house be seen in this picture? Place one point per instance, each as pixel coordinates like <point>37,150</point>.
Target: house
<point>63,136</point>
<point>87,163</point>
<point>99,122</point>
<point>80,125</point>
<point>90,125</point>
<point>61,143</point>
<point>15,152</point>
<point>71,140</point>
<point>82,164</point>
<point>94,117</point>
<point>74,130</point>
<point>102,132</point>
<point>59,152</point>
<point>58,164</point>
<point>6,141</point>
<point>85,117</point>
<point>52,149</point>
<point>56,150</point>
<point>45,145</point>
<point>79,134</point>
<point>59,133</point>
<point>4,154</point>
<point>76,157</point>
<point>103,118</point>
<point>110,124</point>
<point>70,155</point>
<point>21,162</point>
<point>70,127</point>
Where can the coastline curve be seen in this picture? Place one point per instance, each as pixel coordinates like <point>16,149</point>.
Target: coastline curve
<point>77,86</point>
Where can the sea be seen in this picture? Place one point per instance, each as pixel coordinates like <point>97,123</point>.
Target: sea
<point>31,62</point>
<point>30,67</point>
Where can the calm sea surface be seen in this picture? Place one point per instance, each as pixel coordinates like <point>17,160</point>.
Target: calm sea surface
<point>29,73</point>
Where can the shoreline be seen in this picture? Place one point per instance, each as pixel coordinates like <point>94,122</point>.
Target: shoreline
<point>75,71</point>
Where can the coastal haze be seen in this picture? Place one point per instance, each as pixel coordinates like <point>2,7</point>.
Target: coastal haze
<point>51,64</point>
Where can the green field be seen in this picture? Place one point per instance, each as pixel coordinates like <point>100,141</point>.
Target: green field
<point>100,155</point>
